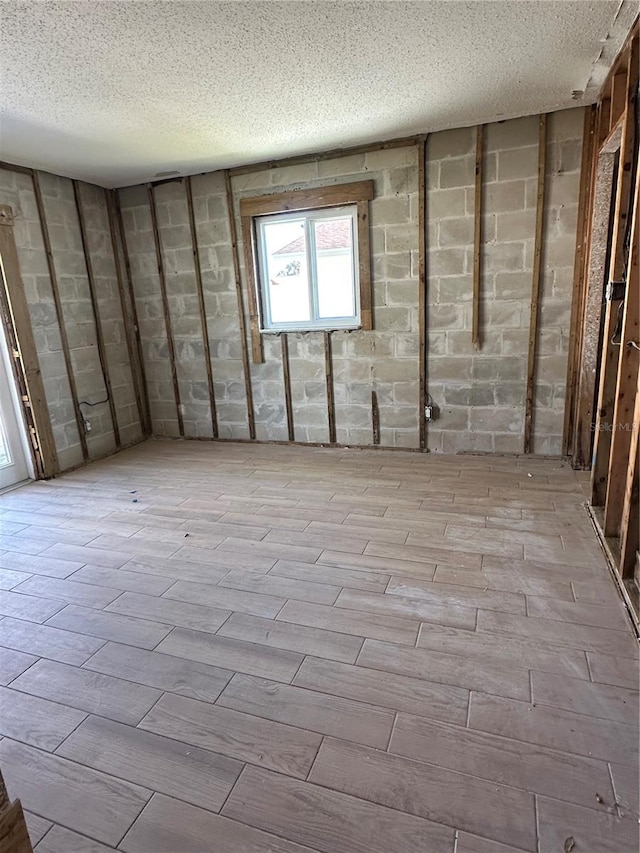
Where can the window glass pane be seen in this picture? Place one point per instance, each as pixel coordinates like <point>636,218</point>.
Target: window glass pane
<point>334,266</point>
<point>287,279</point>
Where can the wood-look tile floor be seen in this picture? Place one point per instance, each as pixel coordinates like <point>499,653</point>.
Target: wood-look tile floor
<point>244,648</point>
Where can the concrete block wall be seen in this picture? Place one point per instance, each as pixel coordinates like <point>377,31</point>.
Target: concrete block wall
<point>16,189</point>
<point>480,394</point>
<point>383,360</point>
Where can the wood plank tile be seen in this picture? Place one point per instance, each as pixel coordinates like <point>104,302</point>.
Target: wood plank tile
<point>51,535</point>
<point>467,843</point>
<point>312,537</point>
<point>195,775</point>
<point>176,568</point>
<point>166,672</point>
<point>583,697</point>
<point>387,565</point>
<point>554,728</point>
<point>10,578</point>
<point>88,691</point>
<point>226,558</point>
<point>250,658</point>
<point>22,546</point>
<point>64,792</point>
<point>309,709</point>
<point>224,527</point>
<point>270,549</point>
<point>392,628</point>
<point>85,554</point>
<point>582,614</point>
<point>12,663</point>
<point>48,566</point>
<point>500,650</point>
<point>170,612</point>
<point>423,552</point>
<point>607,669</point>
<point>452,596</point>
<point>296,638</point>
<point>168,826</point>
<point>445,669</point>
<point>354,579</point>
<point>320,593</point>
<point>29,607</point>
<point>47,642</point>
<point>395,534</point>
<point>440,795</point>
<point>397,692</point>
<point>131,545</point>
<point>35,721</point>
<point>626,785</point>
<point>110,626</point>
<point>269,519</point>
<point>122,580</point>
<point>592,831</point>
<point>36,826</point>
<point>244,737</point>
<point>457,616</point>
<point>254,603</point>
<point>587,638</point>
<point>529,767</point>
<point>61,840</point>
<point>329,821</point>
<point>68,591</point>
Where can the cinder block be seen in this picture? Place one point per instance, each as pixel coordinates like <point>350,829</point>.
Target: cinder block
<point>504,257</point>
<point>451,143</point>
<point>393,319</point>
<point>467,442</point>
<point>395,266</point>
<point>468,395</point>
<point>454,289</point>
<point>503,196</point>
<point>515,163</point>
<point>400,181</point>
<point>443,262</point>
<point>448,203</point>
<point>455,232</point>
<point>400,238</point>
<point>389,211</point>
<point>392,158</point>
<point>452,369</point>
<point>445,317</point>
<point>283,176</point>
<point>496,419</point>
<point>517,225</point>
<point>513,133</point>
<point>458,172</point>
<point>566,124</point>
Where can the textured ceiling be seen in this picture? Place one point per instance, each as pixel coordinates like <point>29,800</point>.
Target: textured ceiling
<point>117,92</point>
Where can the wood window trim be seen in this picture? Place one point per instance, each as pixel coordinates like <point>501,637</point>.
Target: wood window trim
<point>359,193</point>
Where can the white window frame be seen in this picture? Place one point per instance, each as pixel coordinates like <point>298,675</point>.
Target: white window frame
<point>310,218</point>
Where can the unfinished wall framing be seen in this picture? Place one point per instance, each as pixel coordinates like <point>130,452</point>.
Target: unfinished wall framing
<point>605,401</point>
<point>424,224</point>
<point>67,270</point>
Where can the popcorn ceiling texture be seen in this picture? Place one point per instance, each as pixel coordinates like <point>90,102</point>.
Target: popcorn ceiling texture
<point>479,395</point>
<point>116,92</point>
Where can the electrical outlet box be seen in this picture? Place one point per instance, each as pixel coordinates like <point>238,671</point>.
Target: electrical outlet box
<point>428,413</point>
<point>87,426</point>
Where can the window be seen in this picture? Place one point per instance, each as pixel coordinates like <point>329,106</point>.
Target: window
<point>307,255</point>
<point>308,269</point>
